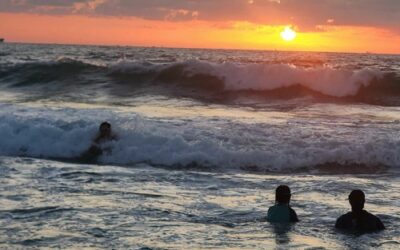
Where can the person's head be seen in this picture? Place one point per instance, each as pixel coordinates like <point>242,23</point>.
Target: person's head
<point>105,129</point>
<point>357,200</point>
<point>282,194</point>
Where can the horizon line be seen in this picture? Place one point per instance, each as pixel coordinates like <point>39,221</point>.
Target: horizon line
<point>198,48</point>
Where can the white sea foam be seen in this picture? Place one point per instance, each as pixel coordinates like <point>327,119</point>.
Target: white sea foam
<point>221,143</point>
<point>260,77</point>
<point>200,74</point>
<point>328,81</point>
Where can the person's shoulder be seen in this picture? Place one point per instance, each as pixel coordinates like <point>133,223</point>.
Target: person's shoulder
<point>373,218</point>
<point>274,206</point>
<point>97,138</point>
<point>271,208</point>
<point>343,219</point>
<point>369,216</point>
<point>346,216</point>
<point>291,210</point>
<point>293,215</point>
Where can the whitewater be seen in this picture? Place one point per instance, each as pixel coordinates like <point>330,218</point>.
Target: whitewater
<point>205,136</point>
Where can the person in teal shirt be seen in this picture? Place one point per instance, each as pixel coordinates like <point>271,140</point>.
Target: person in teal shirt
<point>281,212</point>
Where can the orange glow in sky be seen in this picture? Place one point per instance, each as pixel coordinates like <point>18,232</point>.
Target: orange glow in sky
<point>288,34</point>
<point>81,29</point>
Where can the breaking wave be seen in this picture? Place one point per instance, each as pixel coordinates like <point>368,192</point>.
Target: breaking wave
<point>218,144</point>
<point>255,77</point>
<point>365,84</point>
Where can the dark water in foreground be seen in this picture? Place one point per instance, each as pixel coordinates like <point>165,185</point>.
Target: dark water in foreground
<point>50,204</point>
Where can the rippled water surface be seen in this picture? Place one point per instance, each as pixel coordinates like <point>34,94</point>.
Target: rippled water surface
<point>51,204</point>
<point>205,137</point>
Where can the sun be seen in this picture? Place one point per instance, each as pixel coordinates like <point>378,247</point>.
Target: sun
<point>288,34</point>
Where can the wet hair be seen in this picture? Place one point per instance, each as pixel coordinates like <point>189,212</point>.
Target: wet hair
<point>357,200</point>
<point>104,124</point>
<point>282,194</point>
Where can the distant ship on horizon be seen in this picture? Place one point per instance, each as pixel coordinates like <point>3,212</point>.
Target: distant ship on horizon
<point>1,40</point>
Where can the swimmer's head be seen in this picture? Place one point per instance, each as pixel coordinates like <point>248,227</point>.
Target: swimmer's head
<point>105,129</point>
<point>357,200</point>
<point>282,194</point>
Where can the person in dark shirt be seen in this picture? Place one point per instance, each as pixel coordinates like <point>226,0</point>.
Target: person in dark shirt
<point>104,135</point>
<point>281,212</point>
<point>358,219</point>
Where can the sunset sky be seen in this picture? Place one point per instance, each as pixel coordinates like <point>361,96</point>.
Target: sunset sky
<point>321,25</point>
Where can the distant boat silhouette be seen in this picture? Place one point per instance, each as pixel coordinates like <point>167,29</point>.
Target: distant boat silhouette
<point>1,40</point>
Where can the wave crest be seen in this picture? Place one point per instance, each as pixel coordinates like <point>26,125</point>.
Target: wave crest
<point>62,71</point>
<point>220,144</point>
<point>211,78</point>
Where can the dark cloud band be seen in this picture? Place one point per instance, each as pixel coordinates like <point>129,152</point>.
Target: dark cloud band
<point>307,14</point>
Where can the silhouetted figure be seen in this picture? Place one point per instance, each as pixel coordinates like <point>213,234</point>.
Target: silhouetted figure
<point>359,219</point>
<point>281,212</point>
<point>104,135</point>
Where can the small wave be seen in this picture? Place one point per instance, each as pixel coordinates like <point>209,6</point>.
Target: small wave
<point>63,70</point>
<point>33,210</point>
<point>25,213</point>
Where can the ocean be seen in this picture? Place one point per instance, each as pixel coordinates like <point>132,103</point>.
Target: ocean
<point>204,138</point>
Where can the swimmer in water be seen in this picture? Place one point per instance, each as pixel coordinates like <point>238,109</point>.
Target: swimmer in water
<point>104,135</point>
<point>358,219</point>
<point>281,212</point>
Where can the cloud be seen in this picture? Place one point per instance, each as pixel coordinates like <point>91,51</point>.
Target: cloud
<point>305,14</point>
<point>39,6</point>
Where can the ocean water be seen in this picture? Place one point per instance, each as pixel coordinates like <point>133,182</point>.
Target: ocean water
<point>205,136</point>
